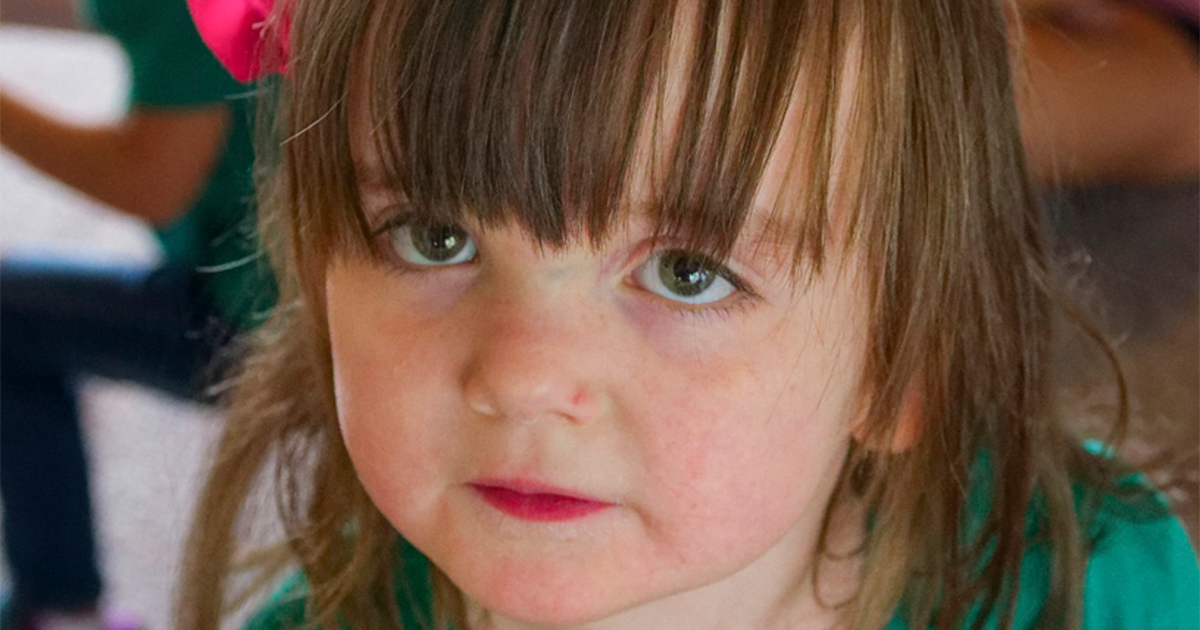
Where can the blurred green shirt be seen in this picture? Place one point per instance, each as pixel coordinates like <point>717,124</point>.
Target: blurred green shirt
<point>171,68</point>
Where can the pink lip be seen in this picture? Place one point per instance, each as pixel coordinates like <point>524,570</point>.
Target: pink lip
<point>536,502</point>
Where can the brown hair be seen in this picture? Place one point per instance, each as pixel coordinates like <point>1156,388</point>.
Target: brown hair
<point>531,113</point>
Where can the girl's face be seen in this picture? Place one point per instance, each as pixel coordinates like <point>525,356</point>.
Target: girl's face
<point>623,435</point>
<point>581,434</point>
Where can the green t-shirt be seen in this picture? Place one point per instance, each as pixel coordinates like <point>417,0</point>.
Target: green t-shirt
<point>171,68</point>
<point>1142,575</point>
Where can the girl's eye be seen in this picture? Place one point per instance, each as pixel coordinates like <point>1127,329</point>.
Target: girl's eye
<point>427,244</point>
<point>686,277</point>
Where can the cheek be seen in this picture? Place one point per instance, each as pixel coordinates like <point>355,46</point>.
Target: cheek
<point>386,383</point>
<point>744,455</point>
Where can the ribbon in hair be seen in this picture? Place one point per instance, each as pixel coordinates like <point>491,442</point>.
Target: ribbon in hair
<point>239,33</point>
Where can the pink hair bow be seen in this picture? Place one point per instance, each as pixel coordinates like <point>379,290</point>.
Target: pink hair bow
<point>236,32</point>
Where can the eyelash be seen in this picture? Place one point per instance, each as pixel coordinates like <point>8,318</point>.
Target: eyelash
<point>740,302</point>
<point>383,252</point>
<point>743,298</point>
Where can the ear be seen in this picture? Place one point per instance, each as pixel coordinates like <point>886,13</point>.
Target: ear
<point>908,424</point>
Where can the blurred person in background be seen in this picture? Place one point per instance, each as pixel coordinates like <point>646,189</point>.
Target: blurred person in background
<point>1112,90</point>
<point>1110,110</point>
<point>180,160</point>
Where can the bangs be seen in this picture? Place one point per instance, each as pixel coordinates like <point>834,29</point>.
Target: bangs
<point>565,117</point>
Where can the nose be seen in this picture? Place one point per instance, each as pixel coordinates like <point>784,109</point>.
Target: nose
<point>534,361</point>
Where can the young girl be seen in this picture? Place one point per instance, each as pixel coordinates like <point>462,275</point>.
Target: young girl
<point>665,315</point>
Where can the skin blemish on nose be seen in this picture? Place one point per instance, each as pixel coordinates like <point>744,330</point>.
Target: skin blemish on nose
<point>585,403</point>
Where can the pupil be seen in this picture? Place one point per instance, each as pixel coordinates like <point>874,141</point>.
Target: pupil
<point>439,242</point>
<point>686,274</point>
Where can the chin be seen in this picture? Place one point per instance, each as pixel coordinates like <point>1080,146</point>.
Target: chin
<point>545,599</point>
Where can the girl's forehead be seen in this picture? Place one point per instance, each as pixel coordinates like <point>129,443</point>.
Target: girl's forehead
<point>705,123</point>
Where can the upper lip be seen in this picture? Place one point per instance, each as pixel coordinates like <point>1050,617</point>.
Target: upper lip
<point>531,486</point>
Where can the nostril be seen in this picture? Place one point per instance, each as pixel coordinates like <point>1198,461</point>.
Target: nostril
<point>531,362</point>
<point>509,392</point>
<point>584,405</point>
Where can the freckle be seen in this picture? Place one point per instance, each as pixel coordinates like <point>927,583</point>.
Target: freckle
<point>696,465</point>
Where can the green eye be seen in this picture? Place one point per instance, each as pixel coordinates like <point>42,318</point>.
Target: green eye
<point>684,276</point>
<point>439,243</point>
<point>431,244</point>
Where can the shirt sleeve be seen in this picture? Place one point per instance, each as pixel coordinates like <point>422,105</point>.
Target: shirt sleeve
<point>287,609</point>
<point>1142,575</point>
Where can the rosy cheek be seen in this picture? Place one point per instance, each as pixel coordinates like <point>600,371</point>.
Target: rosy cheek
<point>369,412</point>
<point>740,440</point>
<point>691,435</point>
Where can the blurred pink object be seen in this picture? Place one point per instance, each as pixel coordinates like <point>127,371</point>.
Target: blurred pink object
<point>237,32</point>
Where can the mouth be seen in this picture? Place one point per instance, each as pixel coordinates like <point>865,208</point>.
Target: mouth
<point>536,502</point>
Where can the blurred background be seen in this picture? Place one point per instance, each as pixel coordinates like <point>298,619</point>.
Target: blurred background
<point>1110,95</point>
<point>145,449</point>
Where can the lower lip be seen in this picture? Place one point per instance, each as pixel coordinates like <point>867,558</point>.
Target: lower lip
<point>538,507</point>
